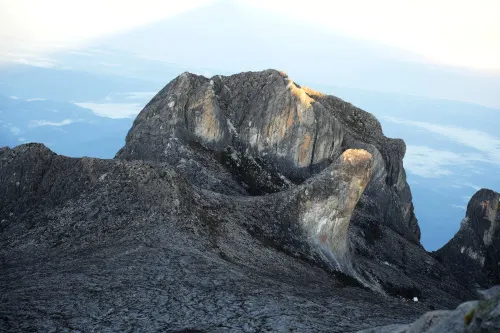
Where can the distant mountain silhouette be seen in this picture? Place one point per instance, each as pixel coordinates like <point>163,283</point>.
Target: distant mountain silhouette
<point>227,38</point>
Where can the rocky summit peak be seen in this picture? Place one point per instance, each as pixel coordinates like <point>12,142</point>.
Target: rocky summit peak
<point>484,205</point>
<point>475,249</point>
<point>233,196</point>
<point>269,134</point>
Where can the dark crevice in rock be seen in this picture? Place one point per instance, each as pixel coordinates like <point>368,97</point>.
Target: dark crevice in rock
<point>297,217</point>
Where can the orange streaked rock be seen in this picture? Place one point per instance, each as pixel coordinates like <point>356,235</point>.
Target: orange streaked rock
<point>356,156</point>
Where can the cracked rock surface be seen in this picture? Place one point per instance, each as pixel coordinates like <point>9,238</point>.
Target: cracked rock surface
<point>244,203</point>
<point>131,246</point>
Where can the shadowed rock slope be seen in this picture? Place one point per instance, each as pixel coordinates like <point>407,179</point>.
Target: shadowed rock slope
<point>110,245</point>
<point>474,252</point>
<point>240,203</point>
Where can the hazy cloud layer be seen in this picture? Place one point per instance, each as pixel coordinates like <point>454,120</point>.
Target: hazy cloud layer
<point>38,26</point>
<point>38,123</point>
<point>36,62</point>
<point>133,95</point>
<point>108,64</point>
<point>113,110</point>
<point>428,162</point>
<point>459,207</point>
<point>15,130</point>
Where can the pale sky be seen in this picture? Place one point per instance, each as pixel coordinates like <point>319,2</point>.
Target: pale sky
<point>452,32</point>
<point>48,25</point>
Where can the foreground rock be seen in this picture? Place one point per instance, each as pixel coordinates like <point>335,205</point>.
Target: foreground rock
<point>109,245</point>
<point>471,317</point>
<point>242,203</point>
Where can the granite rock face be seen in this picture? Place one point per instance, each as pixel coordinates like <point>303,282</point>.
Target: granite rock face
<point>271,133</point>
<point>239,204</point>
<point>258,133</point>
<point>474,252</point>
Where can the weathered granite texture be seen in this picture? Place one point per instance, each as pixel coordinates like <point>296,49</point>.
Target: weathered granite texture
<point>270,135</point>
<point>238,204</point>
<point>127,246</point>
<point>473,254</point>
